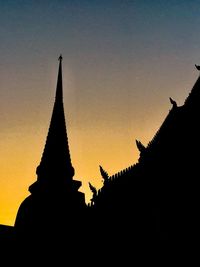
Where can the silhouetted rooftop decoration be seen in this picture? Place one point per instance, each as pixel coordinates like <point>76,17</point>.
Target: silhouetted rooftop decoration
<point>104,174</point>
<point>140,146</point>
<point>94,192</point>
<point>173,102</point>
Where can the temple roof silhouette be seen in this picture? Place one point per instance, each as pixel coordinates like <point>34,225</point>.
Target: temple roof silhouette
<point>163,164</point>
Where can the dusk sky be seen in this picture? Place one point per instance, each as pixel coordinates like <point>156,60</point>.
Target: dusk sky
<point>122,60</point>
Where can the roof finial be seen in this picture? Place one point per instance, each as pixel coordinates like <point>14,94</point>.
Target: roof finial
<point>60,57</point>
<point>173,102</point>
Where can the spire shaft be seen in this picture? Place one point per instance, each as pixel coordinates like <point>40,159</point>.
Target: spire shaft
<point>56,161</point>
<point>59,87</point>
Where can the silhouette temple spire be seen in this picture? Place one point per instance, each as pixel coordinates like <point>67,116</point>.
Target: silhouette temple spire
<point>55,191</point>
<point>56,161</point>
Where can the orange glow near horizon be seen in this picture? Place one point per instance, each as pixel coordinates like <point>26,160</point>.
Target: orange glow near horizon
<point>122,60</point>
<point>109,147</point>
<point>100,132</point>
<point>23,155</point>
<point>105,138</point>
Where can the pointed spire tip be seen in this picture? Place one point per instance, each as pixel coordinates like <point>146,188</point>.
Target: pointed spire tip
<point>60,57</point>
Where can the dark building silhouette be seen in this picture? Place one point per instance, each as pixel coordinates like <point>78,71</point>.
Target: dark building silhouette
<point>55,202</point>
<point>153,203</point>
<point>157,199</point>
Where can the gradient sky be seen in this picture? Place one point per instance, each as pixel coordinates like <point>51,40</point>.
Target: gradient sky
<point>121,62</point>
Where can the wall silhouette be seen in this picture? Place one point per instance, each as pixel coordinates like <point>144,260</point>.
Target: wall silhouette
<point>155,201</point>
